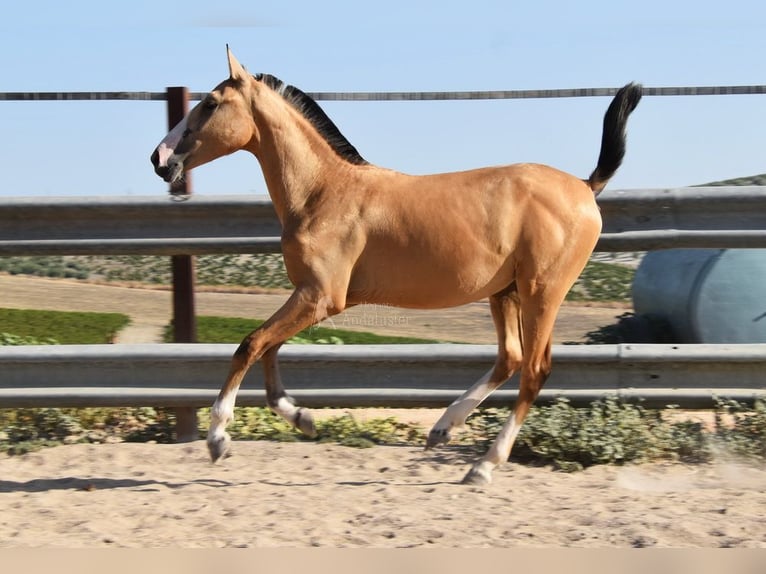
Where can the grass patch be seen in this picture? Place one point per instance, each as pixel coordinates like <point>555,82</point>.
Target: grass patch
<point>233,330</point>
<point>66,328</point>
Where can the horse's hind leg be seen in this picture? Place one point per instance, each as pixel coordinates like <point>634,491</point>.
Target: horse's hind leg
<point>506,317</point>
<point>304,308</point>
<point>277,398</point>
<point>538,313</point>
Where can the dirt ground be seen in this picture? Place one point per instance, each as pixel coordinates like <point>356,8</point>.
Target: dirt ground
<point>297,495</point>
<point>151,309</point>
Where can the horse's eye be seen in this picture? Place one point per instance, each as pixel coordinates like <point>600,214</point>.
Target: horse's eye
<point>210,104</point>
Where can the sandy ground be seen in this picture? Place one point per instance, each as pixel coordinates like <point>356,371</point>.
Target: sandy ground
<point>306,494</point>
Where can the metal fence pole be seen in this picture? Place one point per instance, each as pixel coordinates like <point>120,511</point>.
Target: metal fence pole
<point>184,321</point>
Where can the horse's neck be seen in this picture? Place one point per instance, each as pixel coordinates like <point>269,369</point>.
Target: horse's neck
<point>294,159</point>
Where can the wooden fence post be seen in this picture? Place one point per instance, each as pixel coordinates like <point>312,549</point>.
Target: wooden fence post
<point>184,320</point>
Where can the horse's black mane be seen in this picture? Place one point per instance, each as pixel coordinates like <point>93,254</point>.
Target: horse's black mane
<point>314,114</point>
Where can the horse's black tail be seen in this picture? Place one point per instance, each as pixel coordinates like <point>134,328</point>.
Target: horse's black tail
<point>613,138</point>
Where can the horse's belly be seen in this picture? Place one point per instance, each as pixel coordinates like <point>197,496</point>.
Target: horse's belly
<point>428,286</point>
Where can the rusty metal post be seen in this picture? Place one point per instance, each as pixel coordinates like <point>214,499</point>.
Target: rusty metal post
<point>184,320</point>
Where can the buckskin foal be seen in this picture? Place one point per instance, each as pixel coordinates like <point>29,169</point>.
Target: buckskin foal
<point>355,233</point>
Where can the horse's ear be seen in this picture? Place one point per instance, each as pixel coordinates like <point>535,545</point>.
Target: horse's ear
<point>236,70</point>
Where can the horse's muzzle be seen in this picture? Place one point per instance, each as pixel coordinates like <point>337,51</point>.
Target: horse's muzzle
<point>170,172</point>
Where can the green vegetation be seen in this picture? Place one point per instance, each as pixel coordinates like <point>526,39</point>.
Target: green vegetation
<point>608,432</point>
<point>26,430</point>
<point>255,423</point>
<point>759,179</point>
<point>10,340</point>
<point>18,326</point>
<point>745,435</point>
<point>614,432</point>
<point>233,330</point>
<point>264,270</point>
<point>603,282</point>
<point>44,267</point>
<point>568,438</point>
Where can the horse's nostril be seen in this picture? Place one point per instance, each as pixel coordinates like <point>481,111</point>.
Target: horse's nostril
<point>162,171</point>
<point>155,158</point>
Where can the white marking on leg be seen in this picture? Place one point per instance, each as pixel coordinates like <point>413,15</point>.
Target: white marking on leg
<point>299,417</point>
<point>500,450</point>
<point>222,413</point>
<point>456,414</point>
<point>286,409</point>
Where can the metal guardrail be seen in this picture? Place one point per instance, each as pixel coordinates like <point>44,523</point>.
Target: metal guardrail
<point>694,217</point>
<point>731,90</point>
<point>189,375</point>
<point>138,225</point>
<point>634,220</point>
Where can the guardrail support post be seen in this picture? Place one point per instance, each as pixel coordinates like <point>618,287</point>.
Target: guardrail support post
<point>184,320</point>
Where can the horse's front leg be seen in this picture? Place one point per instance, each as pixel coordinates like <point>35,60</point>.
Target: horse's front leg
<point>304,308</point>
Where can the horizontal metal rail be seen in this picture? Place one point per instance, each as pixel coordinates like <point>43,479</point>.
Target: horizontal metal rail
<point>681,239</point>
<point>155,246</point>
<point>634,220</point>
<point>685,208</point>
<point>188,375</point>
<point>407,96</point>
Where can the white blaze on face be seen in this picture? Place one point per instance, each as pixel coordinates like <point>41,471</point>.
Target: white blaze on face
<point>168,145</point>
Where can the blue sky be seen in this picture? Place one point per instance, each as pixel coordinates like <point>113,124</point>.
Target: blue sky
<point>102,148</point>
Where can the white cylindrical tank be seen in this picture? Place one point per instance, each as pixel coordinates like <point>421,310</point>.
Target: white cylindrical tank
<point>706,295</point>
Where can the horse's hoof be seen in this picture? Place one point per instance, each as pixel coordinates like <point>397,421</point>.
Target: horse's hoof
<point>304,422</point>
<point>218,446</point>
<point>477,476</point>
<point>437,437</point>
